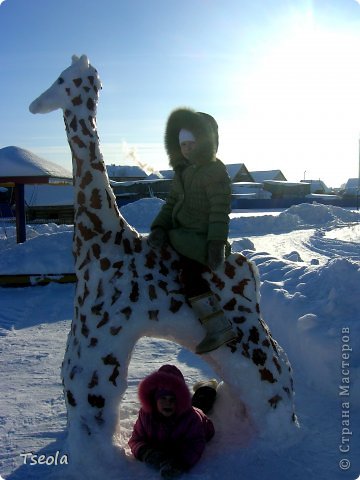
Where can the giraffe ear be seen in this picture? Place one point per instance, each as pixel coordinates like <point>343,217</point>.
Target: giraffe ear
<point>74,59</point>
<point>84,61</point>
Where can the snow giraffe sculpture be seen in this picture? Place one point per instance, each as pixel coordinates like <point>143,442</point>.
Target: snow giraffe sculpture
<point>126,290</point>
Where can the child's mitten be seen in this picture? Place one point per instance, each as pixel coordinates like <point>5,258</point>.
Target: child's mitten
<point>216,254</point>
<point>154,458</point>
<point>169,470</point>
<point>157,238</point>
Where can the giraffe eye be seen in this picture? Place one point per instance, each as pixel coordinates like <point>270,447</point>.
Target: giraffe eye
<point>60,81</point>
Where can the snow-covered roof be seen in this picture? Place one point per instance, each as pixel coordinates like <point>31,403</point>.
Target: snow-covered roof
<point>169,174</point>
<point>285,183</point>
<point>317,185</point>
<point>125,171</point>
<point>262,175</point>
<point>234,168</point>
<point>22,166</point>
<point>352,183</point>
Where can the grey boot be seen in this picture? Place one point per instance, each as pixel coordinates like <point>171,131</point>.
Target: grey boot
<point>218,327</point>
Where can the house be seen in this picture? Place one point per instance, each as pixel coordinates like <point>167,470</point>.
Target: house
<point>262,175</point>
<point>121,173</point>
<point>133,190</point>
<point>248,190</point>
<point>53,203</point>
<point>168,174</point>
<point>317,186</point>
<point>285,189</point>
<point>238,172</point>
<point>352,188</point>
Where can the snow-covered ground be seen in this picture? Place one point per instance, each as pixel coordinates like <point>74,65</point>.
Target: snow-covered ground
<point>309,262</point>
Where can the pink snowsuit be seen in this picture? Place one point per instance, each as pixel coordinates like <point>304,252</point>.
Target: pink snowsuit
<point>182,436</point>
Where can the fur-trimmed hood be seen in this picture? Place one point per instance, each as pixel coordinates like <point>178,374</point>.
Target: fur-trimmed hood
<point>203,127</point>
<point>168,378</point>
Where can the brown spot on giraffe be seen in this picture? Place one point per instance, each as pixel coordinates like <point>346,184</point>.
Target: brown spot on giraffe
<point>254,335</point>
<point>106,237</point>
<point>153,315</point>
<point>115,296</point>
<point>90,104</point>
<point>97,401</point>
<point>70,398</point>
<point>73,124</point>
<point>94,380</point>
<point>81,198</point>
<point>175,305</point>
<point>95,199</point>
<point>275,400</point>
<point>127,246</point>
<point>229,270</point>
<point>105,264</point>
<point>230,305</point>
<point>93,342</point>
<point>86,179</point>
<point>84,129</point>
<point>115,330</point>
<point>86,233</point>
<point>259,357</point>
<point>127,311</point>
<point>110,359</point>
<point>76,101</point>
<point>134,295</point>
<point>103,321</point>
<point>267,376</point>
<point>240,287</point>
<point>137,245</point>
<point>150,259</point>
<point>152,292</point>
<point>96,250</point>
<point>95,220</point>
<point>97,309</point>
<point>100,290</point>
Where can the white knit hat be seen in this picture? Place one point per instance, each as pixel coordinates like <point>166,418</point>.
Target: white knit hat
<point>186,136</point>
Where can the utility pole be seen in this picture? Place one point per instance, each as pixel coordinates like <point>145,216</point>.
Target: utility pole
<point>358,185</point>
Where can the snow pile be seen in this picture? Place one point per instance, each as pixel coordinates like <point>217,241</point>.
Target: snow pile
<point>297,217</point>
<point>47,250</point>
<point>140,214</point>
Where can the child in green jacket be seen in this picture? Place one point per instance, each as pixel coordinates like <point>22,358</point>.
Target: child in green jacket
<point>195,217</point>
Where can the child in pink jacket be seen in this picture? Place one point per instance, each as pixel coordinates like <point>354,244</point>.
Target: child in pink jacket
<point>169,434</point>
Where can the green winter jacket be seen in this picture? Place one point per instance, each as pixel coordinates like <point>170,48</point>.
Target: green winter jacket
<point>198,205</point>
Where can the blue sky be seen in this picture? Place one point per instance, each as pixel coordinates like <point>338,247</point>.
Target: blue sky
<point>282,77</point>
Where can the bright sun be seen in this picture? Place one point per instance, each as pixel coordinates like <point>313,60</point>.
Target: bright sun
<point>303,101</point>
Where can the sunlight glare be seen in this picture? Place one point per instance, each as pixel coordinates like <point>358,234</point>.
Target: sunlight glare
<point>302,99</point>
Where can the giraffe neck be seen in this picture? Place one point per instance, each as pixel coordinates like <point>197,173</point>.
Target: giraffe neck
<point>97,218</point>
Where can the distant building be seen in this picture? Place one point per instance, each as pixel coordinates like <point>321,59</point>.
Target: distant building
<point>238,172</point>
<point>285,189</point>
<point>262,175</point>
<point>248,190</point>
<point>351,188</point>
<point>121,173</point>
<point>317,186</point>
<point>168,174</point>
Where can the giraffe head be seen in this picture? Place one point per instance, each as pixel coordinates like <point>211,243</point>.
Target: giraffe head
<point>76,87</point>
